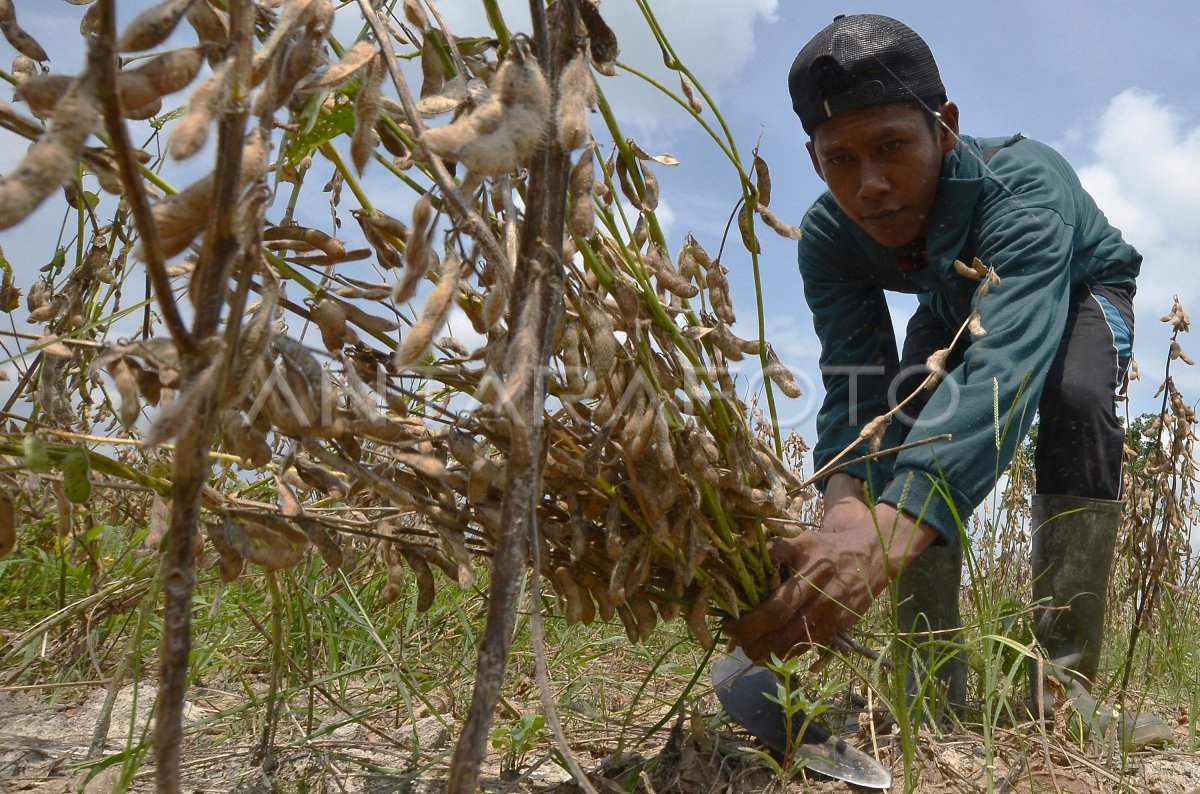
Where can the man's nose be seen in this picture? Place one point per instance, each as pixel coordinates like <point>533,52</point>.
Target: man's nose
<point>872,182</point>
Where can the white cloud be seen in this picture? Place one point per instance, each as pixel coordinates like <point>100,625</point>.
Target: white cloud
<point>1146,178</point>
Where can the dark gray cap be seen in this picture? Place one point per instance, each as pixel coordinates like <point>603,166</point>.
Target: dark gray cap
<point>860,61</point>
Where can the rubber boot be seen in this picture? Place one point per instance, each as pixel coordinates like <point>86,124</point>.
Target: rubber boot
<point>1073,542</point>
<point>927,617</point>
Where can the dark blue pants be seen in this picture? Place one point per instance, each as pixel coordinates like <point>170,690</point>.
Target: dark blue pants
<point>1079,440</point>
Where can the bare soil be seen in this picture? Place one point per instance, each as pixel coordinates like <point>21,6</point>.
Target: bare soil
<point>45,736</point>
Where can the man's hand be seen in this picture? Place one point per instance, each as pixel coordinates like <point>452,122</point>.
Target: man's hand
<point>837,573</point>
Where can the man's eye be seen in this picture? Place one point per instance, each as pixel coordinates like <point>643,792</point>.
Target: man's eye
<point>839,159</point>
<point>892,146</point>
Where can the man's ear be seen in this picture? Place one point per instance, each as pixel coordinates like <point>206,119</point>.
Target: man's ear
<point>812,155</point>
<point>948,126</point>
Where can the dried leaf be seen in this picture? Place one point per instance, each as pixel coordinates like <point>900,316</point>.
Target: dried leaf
<point>642,154</point>
<point>602,42</point>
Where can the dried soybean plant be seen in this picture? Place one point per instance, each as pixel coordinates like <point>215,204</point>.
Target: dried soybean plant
<point>1161,508</point>
<point>592,414</point>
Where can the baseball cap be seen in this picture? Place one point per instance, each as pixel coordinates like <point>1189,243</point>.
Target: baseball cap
<point>859,61</point>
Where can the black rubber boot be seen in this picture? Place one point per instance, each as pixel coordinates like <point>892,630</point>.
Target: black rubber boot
<point>1072,554</point>
<point>927,617</point>
<point>1073,542</point>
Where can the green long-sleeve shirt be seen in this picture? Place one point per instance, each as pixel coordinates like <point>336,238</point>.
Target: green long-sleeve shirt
<point>1024,213</point>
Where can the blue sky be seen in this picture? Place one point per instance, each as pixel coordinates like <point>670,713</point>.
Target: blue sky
<point>1110,84</point>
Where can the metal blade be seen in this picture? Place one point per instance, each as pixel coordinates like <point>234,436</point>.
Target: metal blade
<point>745,689</point>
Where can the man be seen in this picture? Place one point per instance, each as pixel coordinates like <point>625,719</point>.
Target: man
<point>907,197</point>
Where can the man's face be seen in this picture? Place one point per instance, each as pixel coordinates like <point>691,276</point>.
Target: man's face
<point>882,164</point>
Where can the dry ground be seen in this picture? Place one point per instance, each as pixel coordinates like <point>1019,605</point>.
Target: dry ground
<point>41,744</point>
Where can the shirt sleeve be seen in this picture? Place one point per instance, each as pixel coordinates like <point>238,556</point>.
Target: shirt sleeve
<point>858,352</point>
<point>988,403</point>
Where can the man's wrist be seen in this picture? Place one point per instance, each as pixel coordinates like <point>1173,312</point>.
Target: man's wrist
<point>903,537</point>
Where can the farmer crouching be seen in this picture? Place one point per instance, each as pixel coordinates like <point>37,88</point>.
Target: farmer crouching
<point>907,197</point>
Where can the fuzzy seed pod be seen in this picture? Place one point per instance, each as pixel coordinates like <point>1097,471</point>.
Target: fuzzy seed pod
<point>576,96</point>
<point>572,359</point>
<point>366,114</point>
<point>778,226</point>
<point>180,218</point>
<point>77,478</point>
<point>190,133</point>
<point>52,159</point>
<point>355,58</point>
<point>718,294</point>
<point>433,315</point>
<point>602,344</point>
<point>762,180</point>
<point>697,619</point>
<point>644,616</point>
<point>495,302</point>
<point>936,363</point>
<point>975,326</point>
<point>330,318</point>
<point>580,608</point>
<point>780,375</point>
<point>502,133</point>
<point>37,459</point>
<point>581,219</point>
<point>605,609</point>
<point>244,440</point>
<point>126,383</point>
<point>746,228</point>
<point>975,271</point>
<point>212,29</point>
<point>689,92</point>
<point>663,445</point>
<point>16,35</point>
<point>231,561</point>
<point>454,95</point>
<point>668,277</point>
<point>161,75</point>
<point>629,304</point>
<point>8,524</point>
<point>616,581</point>
<point>152,27</point>
<point>424,576</point>
<point>323,541</point>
